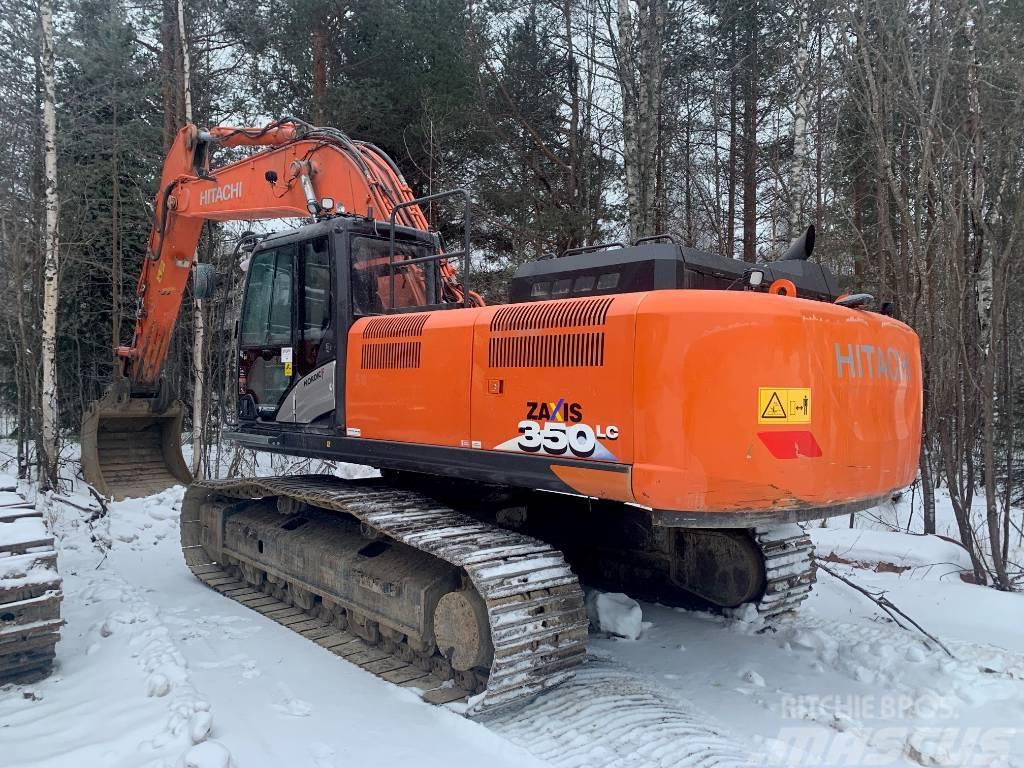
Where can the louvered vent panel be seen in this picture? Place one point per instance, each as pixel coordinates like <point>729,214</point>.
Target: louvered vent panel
<point>391,354</point>
<point>395,326</point>
<point>571,313</point>
<point>568,350</point>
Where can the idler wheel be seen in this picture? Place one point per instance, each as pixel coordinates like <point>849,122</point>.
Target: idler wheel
<point>462,631</point>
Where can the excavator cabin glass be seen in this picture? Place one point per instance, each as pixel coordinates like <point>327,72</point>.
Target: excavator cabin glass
<point>266,327</point>
<point>303,293</point>
<point>371,276</point>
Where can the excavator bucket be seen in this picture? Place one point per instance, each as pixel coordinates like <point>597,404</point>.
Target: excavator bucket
<point>130,449</point>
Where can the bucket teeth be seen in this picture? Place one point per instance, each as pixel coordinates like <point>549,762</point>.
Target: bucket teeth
<point>533,601</point>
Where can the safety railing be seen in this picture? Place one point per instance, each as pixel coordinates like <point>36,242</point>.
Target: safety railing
<point>436,258</point>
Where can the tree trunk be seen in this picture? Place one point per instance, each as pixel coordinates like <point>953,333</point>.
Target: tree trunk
<point>927,489</point>
<point>640,64</point>
<point>49,409</point>
<point>198,326</point>
<point>801,157</point>
<point>115,241</point>
<point>730,208</point>
<point>750,100</point>
<point>319,111</point>
<point>630,119</point>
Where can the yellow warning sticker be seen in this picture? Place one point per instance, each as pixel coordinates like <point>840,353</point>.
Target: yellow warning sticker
<point>288,369</point>
<point>784,405</point>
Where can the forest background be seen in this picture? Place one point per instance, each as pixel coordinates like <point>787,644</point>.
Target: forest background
<point>895,127</point>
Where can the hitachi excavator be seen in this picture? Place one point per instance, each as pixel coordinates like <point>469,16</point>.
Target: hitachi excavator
<point>645,417</point>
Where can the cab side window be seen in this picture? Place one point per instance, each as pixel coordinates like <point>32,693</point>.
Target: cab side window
<point>316,344</point>
<point>371,284</point>
<point>266,328</point>
<point>267,317</point>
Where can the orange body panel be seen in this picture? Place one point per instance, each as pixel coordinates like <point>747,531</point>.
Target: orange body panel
<point>701,358</point>
<point>601,392</point>
<point>422,395</point>
<point>669,383</point>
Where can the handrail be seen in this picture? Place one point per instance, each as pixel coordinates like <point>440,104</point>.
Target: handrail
<point>590,248</point>
<point>656,239</point>
<point>464,254</point>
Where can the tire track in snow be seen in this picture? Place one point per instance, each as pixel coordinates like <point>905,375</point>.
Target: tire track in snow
<point>606,716</point>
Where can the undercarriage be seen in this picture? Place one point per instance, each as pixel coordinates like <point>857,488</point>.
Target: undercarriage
<point>471,604</point>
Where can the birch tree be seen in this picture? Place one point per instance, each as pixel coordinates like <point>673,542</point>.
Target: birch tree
<point>198,326</point>
<point>640,65</point>
<point>51,286</point>
<point>799,171</point>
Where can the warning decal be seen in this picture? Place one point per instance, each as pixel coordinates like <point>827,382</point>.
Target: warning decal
<point>784,405</point>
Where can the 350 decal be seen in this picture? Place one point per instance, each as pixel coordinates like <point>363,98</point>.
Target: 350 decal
<point>556,428</point>
<point>559,439</point>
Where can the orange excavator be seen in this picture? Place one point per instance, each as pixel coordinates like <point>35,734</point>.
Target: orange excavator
<point>648,417</point>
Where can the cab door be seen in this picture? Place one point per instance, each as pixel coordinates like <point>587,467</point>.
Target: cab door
<point>314,351</point>
<point>265,348</point>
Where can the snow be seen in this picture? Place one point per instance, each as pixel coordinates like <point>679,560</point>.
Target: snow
<point>22,530</point>
<point>615,613</point>
<point>209,754</point>
<point>22,570</point>
<point>157,671</point>
<point>937,557</point>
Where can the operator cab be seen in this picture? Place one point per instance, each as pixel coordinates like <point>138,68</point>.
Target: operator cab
<point>304,289</point>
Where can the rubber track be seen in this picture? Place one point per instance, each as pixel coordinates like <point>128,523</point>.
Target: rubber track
<point>534,601</point>
<point>30,595</point>
<point>789,568</point>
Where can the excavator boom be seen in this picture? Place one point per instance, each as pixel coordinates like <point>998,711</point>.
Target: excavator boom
<point>131,436</point>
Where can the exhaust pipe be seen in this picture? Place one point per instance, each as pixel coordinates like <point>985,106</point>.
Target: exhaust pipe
<point>801,248</point>
<point>131,446</point>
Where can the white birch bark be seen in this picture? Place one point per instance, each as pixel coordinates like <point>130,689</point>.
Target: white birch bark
<point>48,461</point>
<point>800,170</point>
<point>198,325</point>
<point>640,64</point>
<point>630,108</point>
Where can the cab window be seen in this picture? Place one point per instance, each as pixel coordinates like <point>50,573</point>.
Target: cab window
<point>266,328</point>
<point>371,287</point>
<point>267,315</point>
<point>315,342</point>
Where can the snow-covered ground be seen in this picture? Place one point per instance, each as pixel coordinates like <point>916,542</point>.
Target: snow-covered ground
<point>152,663</point>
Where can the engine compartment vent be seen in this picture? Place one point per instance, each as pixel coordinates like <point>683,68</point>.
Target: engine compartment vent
<point>395,326</point>
<point>563,350</point>
<point>570,313</point>
<point>390,354</point>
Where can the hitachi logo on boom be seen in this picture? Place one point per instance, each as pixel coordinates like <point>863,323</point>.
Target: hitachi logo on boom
<point>868,361</point>
<point>220,194</point>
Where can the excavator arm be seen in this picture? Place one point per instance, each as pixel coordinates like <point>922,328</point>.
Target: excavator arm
<point>131,437</point>
<point>300,168</point>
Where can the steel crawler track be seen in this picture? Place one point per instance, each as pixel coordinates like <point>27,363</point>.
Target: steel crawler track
<point>534,602</point>
<point>789,568</point>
